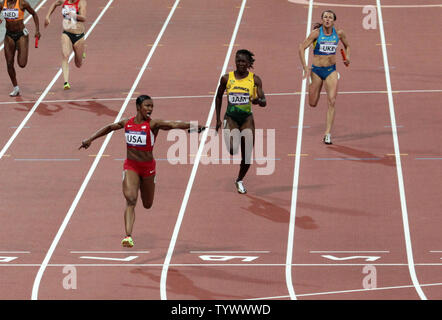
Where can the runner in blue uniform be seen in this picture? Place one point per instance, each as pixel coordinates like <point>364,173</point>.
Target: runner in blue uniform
<point>325,39</point>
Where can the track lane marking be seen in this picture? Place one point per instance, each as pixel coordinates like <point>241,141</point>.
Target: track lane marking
<point>291,232</point>
<point>400,178</point>
<point>163,288</point>
<point>211,96</point>
<point>69,214</point>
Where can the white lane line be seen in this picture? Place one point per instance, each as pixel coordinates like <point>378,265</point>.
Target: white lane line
<point>364,5</point>
<point>45,159</point>
<point>177,227</point>
<point>15,251</point>
<point>97,158</point>
<point>358,251</point>
<point>229,251</point>
<point>211,96</point>
<point>109,252</point>
<point>400,178</point>
<point>291,233</point>
<point>45,92</point>
<point>29,17</point>
<point>204,265</point>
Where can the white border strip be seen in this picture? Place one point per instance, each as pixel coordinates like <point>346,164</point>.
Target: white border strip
<point>45,92</point>
<point>291,234</point>
<point>97,159</point>
<point>398,159</point>
<point>195,166</point>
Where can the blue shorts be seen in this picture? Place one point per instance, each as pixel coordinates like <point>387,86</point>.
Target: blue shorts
<point>323,72</point>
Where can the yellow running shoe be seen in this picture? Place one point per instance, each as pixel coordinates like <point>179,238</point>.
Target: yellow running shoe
<point>127,242</point>
<point>66,86</point>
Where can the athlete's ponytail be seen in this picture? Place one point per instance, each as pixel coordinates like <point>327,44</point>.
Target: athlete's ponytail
<point>317,25</point>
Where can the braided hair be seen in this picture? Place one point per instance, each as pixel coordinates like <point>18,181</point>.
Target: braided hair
<point>317,25</point>
<point>248,54</point>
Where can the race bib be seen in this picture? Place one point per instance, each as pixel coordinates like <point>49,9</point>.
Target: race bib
<point>136,139</point>
<point>10,13</point>
<point>239,98</point>
<point>328,47</point>
<point>66,12</point>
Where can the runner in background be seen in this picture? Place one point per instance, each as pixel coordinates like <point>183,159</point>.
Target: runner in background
<point>72,38</point>
<point>17,36</point>
<point>324,39</point>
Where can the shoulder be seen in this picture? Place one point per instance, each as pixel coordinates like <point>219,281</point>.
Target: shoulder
<point>340,32</point>
<point>155,123</point>
<point>257,79</point>
<point>314,34</point>
<point>124,121</point>
<point>24,4</point>
<point>224,78</point>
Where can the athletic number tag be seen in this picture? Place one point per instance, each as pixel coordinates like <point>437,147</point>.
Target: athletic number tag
<point>328,47</point>
<point>238,98</point>
<point>10,13</point>
<point>136,139</point>
<point>67,11</point>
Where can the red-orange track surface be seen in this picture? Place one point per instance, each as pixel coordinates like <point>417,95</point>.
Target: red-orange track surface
<point>355,226</point>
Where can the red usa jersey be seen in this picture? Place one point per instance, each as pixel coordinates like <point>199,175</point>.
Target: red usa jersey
<point>69,7</point>
<point>139,136</point>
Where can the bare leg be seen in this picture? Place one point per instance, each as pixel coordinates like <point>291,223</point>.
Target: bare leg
<point>147,188</point>
<point>131,184</point>
<point>9,55</point>
<point>314,90</point>
<point>23,48</point>
<point>79,50</point>
<point>247,144</point>
<point>331,87</point>
<point>66,49</point>
<point>231,135</point>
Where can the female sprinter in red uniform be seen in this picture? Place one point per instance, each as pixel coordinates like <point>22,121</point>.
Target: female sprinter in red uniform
<point>325,40</point>
<point>72,38</point>
<point>17,36</point>
<point>238,120</point>
<point>139,167</point>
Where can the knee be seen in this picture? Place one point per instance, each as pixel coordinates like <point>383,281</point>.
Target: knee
<point>78,64</point>
<point>147,204</point>
<point>131,201</point>
<point>331,102</point>
<point>312,101</point>
<point>22,64</point>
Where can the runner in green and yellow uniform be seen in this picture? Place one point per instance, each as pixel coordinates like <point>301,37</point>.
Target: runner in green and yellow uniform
<point>243,89</point>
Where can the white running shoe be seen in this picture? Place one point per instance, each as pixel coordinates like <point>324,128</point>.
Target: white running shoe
<point>240,187</point>
<point>15,92</point>
<point>327,139</point>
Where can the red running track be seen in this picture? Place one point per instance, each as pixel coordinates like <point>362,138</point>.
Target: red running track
<point>345,207</point>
